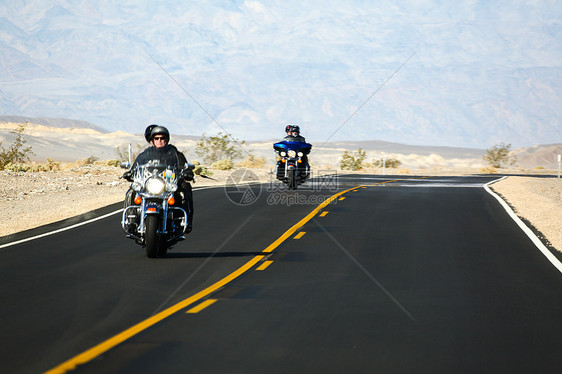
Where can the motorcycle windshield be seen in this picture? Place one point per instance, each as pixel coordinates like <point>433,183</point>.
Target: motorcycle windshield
<point>155,168</point>
<point>155,178</point>
<point>295,146</point>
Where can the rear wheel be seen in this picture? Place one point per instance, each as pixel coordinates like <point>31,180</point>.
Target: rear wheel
<point>151,238</point>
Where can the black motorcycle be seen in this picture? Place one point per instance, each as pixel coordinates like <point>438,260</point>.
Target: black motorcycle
<point>152,220</point>
<point>292,166</point>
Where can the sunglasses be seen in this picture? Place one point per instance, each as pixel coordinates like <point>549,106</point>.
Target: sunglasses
<point>159,138</point>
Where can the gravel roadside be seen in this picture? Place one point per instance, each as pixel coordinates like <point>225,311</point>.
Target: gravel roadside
<point>538,200</point>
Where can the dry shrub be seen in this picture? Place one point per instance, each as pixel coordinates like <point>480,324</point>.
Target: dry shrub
<point>222,165</point>
<point>252,162</point>
<point>201,169</point>
<point>114,163</point>
<point>33,167</point>
<point>488,170</point>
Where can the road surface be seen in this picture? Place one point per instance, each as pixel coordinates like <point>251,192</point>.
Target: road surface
<point>393,274</point>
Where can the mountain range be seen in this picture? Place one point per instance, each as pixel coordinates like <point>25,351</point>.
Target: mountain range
<point>429,73</point>
<point>68,140</point>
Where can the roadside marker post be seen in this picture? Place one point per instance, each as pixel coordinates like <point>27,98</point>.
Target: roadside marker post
<point>559,161</point>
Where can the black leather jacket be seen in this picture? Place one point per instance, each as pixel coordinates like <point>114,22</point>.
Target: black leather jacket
<point>291,138</point>
<point>168,155</point>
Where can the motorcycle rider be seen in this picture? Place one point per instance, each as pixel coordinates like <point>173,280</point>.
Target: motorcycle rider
<point>293,134</point>
<point>160,149</point>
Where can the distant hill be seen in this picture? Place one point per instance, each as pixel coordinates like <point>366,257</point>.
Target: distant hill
<point>71,140</point>
<point>539,155</point>
<point>53,122</point>
<point>390,147</point>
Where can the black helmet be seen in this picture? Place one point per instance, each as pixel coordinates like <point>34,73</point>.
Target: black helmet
<point>288,128</point>
<point>148,131</point>
<point>295,128</point>
<point>159,130</point>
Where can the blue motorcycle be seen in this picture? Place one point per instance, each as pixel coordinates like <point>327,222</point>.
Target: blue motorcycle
<point>292,162</point>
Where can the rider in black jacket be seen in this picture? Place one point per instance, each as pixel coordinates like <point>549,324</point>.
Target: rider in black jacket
<point>293,134</point>
<point>160,149</point>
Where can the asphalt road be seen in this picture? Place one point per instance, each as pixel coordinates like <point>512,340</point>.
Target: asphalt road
<point>402,275</point>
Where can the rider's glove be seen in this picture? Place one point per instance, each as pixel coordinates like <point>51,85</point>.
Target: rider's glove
<point>127,176</point>
<point>187,175</point>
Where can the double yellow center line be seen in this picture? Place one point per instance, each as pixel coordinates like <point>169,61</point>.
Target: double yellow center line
<point>105,346</point>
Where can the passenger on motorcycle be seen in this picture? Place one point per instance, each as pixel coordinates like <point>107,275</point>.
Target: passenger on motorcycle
<point>293,134</point>
<point>158,137</point>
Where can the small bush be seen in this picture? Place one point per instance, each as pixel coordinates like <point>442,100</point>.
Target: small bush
<point>389,163</point>
<point>16,153</point>
<point>201,170</point>
<point>52,165</point>
<point>488,170</point>
<point>91,160</point>
<point>353,161</point>
<point>122,151</point>
<point>114,163</point>
<point>222,165</point>
<point>252,162</point>
<point>500,155</point>
<point>17,167</point>
<point>219,147</point>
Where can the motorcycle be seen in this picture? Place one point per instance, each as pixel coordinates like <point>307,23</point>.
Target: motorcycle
<point>292,166</point>
<point>152,220</point>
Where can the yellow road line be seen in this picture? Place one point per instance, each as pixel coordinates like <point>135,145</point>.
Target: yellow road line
<point>203,305</point>
<point>264,265</point>
<point>300,235</point>
<point>341,198</point>
<point>324,213</point>
<point>105,346</point>
<point>302,222</point>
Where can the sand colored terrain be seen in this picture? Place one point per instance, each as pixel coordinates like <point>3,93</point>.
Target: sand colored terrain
<point>539,201</point>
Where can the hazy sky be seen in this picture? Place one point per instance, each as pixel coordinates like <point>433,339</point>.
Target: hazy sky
<point>465,73</point>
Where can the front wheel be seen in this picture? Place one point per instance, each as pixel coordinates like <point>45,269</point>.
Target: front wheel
<point>151,238</point>
<point>292,182</point>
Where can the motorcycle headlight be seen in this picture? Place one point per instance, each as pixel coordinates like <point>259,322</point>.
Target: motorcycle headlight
<point>300,154</point>
<point>292,153</point>
<point>155,186</point>
<point>282,154</point>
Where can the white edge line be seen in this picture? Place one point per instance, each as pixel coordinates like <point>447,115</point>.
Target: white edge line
<point>60,230</point>
<point>81,223</point>
<point>557,264</point>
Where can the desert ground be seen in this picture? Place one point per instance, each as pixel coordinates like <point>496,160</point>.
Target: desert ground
<point>31,199</point>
